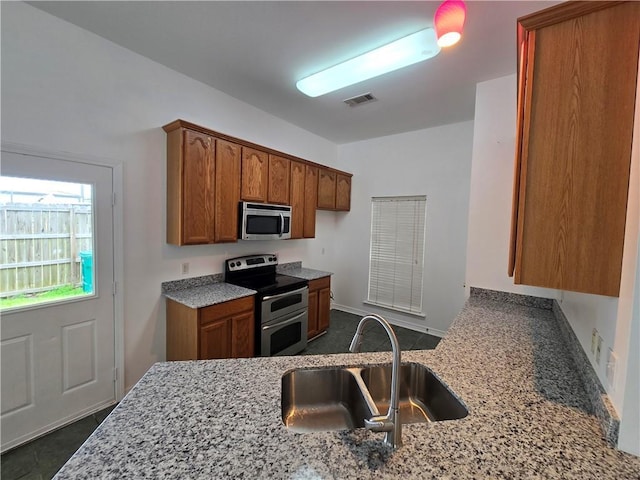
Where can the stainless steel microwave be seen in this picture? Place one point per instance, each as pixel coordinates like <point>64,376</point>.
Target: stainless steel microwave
<point>264,221</point>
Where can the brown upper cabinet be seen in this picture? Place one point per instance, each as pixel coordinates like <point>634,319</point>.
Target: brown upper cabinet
<point>209,173</point>
<point>310,201</point>
<point>255,174</point>
<point>203,187</point>
<point>190,187</point>
<point>227,191</point>
<point>343,192</point>
<point>279,177</point>
<point>334,190</point>
<point>297,199</point>
<point>326,189</point>
<point>577,73</point>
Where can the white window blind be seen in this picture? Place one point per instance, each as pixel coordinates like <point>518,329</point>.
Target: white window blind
<point>396,259</point>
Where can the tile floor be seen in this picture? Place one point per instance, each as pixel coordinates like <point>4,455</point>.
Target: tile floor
<point>375,339</point>
<point>43,457</point>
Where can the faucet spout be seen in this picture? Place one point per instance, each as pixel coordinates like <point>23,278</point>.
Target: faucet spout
<point>390,423</point>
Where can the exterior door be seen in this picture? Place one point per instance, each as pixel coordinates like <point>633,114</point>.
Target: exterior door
<point>58,356</point>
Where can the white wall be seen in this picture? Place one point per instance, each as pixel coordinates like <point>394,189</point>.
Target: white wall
<point>488,245</point>
<point>65,89</point>
<point>434,162</point>
<point>491,189</point>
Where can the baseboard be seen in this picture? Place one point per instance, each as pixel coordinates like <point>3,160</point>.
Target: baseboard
<point>392,320</point>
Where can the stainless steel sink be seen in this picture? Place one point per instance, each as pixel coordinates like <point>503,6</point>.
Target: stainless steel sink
<point>423,397</point>
<point>326,399</point>
<point>323,399</point>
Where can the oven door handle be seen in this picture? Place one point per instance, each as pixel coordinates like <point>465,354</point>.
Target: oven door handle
<point>285,323</point>
<point>285,294</point>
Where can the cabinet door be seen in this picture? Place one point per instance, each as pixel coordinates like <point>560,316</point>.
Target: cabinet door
<point>227,191</point>
<point>324,308</point>
<point>242,335</point>
<point>297,199</point>
<point>319,304</point>
<point>255,171</point>
<point>576,134</point>
<point>279,173</point>
<point>343,192</point>
<point>310,201</point>
<point>198,175</point>
<point>312,312</point>
<point>326,190</point>
<point>214,340</point>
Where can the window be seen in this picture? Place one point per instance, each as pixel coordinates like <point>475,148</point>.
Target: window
<point>396,259</point>
<point>46,241</point>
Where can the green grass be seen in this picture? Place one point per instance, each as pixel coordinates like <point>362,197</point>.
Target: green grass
<point>59,293</point>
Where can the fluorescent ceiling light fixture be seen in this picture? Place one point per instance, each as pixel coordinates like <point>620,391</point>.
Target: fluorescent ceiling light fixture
<point>401,53</point>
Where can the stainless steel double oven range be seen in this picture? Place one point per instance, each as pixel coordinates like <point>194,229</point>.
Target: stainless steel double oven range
<point>281,303</point>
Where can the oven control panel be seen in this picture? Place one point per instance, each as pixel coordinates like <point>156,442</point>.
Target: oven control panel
<point>252,261</point>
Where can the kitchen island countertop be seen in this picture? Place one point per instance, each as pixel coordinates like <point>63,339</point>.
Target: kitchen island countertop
<point>528,416</point>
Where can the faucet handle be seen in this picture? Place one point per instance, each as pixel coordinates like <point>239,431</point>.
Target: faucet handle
<point>378,424</point>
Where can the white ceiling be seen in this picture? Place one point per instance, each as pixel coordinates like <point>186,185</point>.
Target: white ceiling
<point>256,51</point>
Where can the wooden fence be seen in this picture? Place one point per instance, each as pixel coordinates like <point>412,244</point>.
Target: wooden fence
<point>40,246</point>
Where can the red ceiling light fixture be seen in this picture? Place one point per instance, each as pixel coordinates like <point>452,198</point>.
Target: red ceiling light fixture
<point>449,21</point>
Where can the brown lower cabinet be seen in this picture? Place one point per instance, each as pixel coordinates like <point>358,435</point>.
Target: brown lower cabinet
<point>224,330</point>
<point>319,305</point>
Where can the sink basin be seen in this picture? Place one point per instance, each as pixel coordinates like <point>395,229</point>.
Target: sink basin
<point>423,397</point>
<point>325,399</point>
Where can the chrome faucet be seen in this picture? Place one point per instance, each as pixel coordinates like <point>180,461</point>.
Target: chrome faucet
<point>391,422</point>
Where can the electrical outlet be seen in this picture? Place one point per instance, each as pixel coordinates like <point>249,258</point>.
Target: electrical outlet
<point>598,349</point>
<point>611,368</point>
<point>594,340</point>
<point>185,268</point>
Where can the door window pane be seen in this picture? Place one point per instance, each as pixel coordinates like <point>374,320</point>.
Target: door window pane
<point>46,241</point>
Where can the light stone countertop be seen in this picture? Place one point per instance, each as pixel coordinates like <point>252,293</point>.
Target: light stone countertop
<point>295,269</point>
<point>209,290</point>
<point>210,294</point>
<point>528,416</point>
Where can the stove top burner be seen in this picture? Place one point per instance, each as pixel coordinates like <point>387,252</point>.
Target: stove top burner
<point>258,272</point>
<point>277,283</point>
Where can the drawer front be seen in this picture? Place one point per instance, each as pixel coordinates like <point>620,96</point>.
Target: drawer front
<point>226,309</point>
<point>320,283</point>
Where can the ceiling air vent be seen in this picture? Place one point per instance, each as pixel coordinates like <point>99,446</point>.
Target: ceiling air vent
<point>360,99</point>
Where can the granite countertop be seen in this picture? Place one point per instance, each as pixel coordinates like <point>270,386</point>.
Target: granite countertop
<point>528,416</point>
<point>295,269</point>
<point>210,294</point>
<point>209,290</point>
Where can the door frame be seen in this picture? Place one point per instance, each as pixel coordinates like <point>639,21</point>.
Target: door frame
<point>118,238</point>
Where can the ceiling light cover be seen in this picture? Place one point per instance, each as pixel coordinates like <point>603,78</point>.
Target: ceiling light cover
<point>406,51</point>
<point>449,21</point>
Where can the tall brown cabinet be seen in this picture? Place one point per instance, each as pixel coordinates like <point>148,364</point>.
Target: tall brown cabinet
<point>578,65</point>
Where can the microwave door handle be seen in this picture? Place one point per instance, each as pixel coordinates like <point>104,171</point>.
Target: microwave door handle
<point>280,295</point>
<point>281,227</point>
<point>285,323</point>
